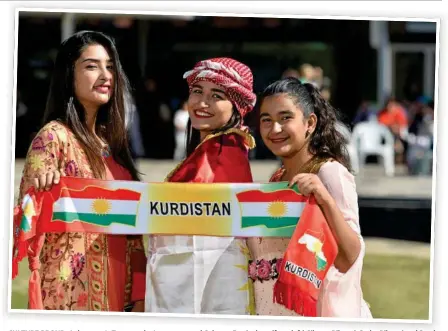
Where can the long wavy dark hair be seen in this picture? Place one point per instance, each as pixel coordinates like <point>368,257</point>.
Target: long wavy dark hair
<point>194,136</point>
<point>328,139</point>
<point>64,107</point>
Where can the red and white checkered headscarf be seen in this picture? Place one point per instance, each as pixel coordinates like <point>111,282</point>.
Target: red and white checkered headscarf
<point>235,77</point>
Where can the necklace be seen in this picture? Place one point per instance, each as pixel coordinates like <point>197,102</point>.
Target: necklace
<point>311,166</point>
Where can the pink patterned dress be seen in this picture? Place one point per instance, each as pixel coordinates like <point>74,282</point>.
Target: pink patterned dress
<point>341,295</point>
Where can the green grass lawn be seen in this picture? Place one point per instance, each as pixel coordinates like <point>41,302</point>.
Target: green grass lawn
<point>394,286</point>
<point>397,286</point>
<point>19,295</point>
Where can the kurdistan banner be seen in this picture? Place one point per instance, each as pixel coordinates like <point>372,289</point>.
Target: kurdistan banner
<point>128,207</point>
<point>228,210</point>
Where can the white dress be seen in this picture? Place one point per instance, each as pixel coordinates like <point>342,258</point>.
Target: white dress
<point>198,275</point>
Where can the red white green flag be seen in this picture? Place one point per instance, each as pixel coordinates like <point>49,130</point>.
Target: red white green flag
<point>275,209</point>
<point>97,206</point>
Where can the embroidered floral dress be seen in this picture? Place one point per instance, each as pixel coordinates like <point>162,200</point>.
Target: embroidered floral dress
<point>79,271</point>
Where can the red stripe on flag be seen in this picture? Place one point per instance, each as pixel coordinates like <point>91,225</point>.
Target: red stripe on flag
<point>94,192</point>
<point>58,226</point>
<point>260,196</point>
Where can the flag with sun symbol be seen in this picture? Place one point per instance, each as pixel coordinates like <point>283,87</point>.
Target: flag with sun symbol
<point>314,244</point>
<point>97,206</point>
<point>311,251</point>
<point>29,212</point>
<point>24,223</point>
<point>276,209</point>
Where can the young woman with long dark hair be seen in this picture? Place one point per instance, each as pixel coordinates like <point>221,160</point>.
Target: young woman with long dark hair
<point>84,135</point>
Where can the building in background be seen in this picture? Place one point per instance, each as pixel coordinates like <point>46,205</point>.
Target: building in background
<point>362,60</point>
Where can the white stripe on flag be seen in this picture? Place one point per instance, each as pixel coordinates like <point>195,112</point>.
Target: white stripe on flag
<point>117,207</point>
<point>260,209</point>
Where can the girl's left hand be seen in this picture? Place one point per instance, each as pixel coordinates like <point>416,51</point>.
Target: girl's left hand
<point>311,184</point>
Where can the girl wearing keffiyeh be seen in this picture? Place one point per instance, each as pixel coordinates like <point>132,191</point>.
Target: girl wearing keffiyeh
<point>197,274</point>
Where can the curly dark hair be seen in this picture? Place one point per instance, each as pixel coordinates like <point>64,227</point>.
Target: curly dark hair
<point>328,139</point>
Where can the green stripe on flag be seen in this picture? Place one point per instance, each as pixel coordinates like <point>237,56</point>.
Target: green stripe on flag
<point>24,224</point>
<point>269,222</point>
<point>321,264</point>
<point>100,220</point>
<point>277,186</point>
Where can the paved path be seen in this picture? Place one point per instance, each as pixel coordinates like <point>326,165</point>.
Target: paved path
<point>380,246</point>
<point>371,182</point>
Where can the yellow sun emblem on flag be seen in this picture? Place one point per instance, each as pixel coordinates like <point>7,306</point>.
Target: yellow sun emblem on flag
<point>317,247</point>
<point>28,210</point>
<point>277,209</point>
<point>101,206</point>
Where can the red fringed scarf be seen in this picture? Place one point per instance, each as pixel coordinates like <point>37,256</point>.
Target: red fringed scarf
<point>28,240</point>
<point>309,255</point>
<point>24,225</point>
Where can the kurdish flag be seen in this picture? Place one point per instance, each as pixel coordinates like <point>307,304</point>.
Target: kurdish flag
<point>277,209</point>
<point>29,212</point>
<point>97,206</point>
<point>314,244</point>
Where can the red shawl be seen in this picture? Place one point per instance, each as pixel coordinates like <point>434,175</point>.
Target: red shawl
<point>220,158</point>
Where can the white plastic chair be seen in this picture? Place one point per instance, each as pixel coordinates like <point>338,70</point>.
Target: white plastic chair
<point>354,159</point>
<point>350,147</point>
<point>373,138</point>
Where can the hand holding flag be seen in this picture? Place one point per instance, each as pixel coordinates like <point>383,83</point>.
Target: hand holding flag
<point>46,181</point>
<point>311,184</point>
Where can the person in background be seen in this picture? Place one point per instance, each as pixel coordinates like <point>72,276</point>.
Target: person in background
<point>363,113</point>
<point>306,73</point>
<point>394,116</point>
<point>420,140</point>
<point>180,123</point>
<point>290,72</point>
<point>132,122</point>
<point>156,122</point>
<point>325,88</point>
<point>318,78</point>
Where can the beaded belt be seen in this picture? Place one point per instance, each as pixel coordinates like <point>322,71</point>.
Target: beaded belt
<point>264,269</point>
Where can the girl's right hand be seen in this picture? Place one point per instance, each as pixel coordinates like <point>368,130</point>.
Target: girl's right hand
<point>46,181</point>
